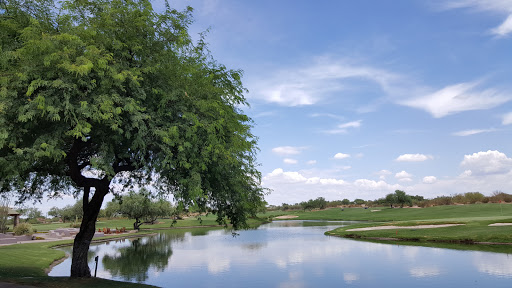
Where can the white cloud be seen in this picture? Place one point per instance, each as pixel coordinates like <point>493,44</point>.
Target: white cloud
<point>457,98</point>
<point>507,119</point>
<point>309,84</point>
<point>329,115</point>
<point>466,173</point>
<point>353,124</point>
<point>429,179</point>
<point>383,173</point>
<point>311,162</point>
<point>505,27</point>
<point>290,161</point>
<point>485,163</point>
<point>287,176</point>
<point>413,158</point>
<point>374,185</point>
<point>343,128</point>
<point>288,150</point>
<point>495,6</point>
<point>294,187</point>
<point>405,179</point>
<point>403,174</point>
<point>341,156</point>
<point>472,132</point>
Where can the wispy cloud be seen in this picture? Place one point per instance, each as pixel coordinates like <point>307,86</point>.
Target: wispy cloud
<point>287,150</point>
<point>458,98</point>
<point>290,161</point>
<point>309,84</point>
<point>507,119</point>
<point>343,128</point>
<point>472,132</point>
<point>499,7</point>
<point>329,115</point>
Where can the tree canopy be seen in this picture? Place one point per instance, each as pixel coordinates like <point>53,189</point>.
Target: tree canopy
<point>99,96</point>
<point>140,206</point>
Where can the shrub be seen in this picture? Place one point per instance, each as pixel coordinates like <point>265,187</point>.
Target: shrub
<point>498,196</point>
<point>23,229</point>
<point>474,197</point>
<point>442,200</point>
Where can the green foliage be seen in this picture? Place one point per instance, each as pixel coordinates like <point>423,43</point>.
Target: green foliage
<point>67,213</point>
<point>359,201</point>
<point>402,198</point>
<point>113,209</point>
<point>140,206</point>
<point>23,229</point>
<point>31,214</point>
<point>318,203</point>
<point>112,86</point>
<point>4,213</point>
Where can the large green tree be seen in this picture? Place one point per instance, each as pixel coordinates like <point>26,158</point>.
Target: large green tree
<point>104,94</point>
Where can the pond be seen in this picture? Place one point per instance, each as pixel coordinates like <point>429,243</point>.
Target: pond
<point>289,254</point>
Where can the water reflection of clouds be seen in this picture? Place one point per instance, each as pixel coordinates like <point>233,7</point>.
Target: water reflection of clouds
<point>423,272</point>
<point>350,277</point>
<point>494,264</point>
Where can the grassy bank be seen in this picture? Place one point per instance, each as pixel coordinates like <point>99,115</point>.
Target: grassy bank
<point>475,217</point>
<point>386,214</point>
<point>202,221</point>
<point>26,263</point>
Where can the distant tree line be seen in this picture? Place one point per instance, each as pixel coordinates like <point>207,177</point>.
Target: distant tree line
<point>399,199</point>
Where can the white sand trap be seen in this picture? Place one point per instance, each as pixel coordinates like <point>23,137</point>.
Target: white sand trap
<point>286,217</point>
<point>403,227</point>
<point>501,224</point>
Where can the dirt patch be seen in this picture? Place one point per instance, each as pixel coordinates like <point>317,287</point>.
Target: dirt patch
<point>286,217</point>
<point>402,227</point>
<point>500,224</point>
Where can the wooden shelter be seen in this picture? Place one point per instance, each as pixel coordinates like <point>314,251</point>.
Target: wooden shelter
<point>16,216</point>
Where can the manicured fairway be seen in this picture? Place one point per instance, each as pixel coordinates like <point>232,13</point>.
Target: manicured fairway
<point>475,218</point>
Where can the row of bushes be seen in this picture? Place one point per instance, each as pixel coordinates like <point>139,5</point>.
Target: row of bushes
<point>466,198</point>
<point>420,201</point>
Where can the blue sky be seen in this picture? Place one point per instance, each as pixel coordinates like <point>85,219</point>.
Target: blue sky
<point>355,99</point>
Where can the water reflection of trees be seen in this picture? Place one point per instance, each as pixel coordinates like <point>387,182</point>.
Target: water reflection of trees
<point>133,262</point>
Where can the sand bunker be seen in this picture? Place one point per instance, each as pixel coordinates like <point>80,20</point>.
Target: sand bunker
<point>286,217</point>
<point>403,227</point>
<point>501,224</point>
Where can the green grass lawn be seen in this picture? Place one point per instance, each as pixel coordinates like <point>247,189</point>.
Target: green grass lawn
<point>476,218</point>
<point>205,221</point>
<point>386,214</point>
<point>26,263</point>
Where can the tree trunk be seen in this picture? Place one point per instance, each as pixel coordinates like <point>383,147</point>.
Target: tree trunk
<point>79,266</point>
<point>136,224</point>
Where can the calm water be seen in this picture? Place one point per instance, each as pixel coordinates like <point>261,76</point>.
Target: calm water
<point>289,254</point>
